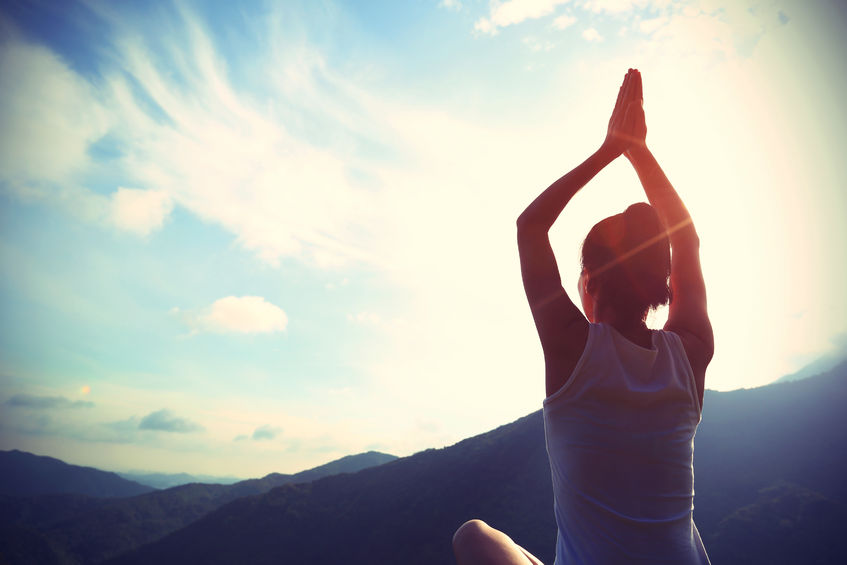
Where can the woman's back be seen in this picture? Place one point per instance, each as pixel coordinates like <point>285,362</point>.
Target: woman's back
<point>620,441</point>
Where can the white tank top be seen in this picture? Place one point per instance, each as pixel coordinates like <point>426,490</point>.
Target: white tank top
<point>620,438</point>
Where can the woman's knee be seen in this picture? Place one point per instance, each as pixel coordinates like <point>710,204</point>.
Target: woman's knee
<point>470,533</point>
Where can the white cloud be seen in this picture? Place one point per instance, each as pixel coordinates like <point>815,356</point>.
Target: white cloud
<point>618,6</point>
<point>503,14</point>
<point>139,211</point>
<point>239,314</point>
<point>592,35</point>
<point>564,21</point>
<point>49,114</point>
<point>455,5</point>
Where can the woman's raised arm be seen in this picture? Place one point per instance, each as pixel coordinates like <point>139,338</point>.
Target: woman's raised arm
<point>561,326</point>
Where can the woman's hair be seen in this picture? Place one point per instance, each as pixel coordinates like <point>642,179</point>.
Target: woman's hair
<point>627,258</point>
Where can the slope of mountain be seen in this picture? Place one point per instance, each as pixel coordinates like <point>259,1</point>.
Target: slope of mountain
<point>821,365</point>
<point>785,525</point>
<point>750,441</point>
<point>87,530</point>
<point>168,480</point>
<point>25,474</point>
<point>403,511</point>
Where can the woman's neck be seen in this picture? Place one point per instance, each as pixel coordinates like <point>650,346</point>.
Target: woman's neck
<point>633,328</point>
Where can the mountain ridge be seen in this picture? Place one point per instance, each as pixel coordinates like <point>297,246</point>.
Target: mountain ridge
<point>91,530</point>
<point>750,441</point>
<point>23,473</point>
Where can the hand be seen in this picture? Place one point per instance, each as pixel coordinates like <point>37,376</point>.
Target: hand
<point>627,127</point>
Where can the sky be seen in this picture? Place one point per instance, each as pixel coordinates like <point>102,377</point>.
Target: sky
<point>249,237</point>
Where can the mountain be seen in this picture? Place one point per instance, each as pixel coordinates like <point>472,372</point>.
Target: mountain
<point>168,480</point>
<point>769,462</point>
<point>787,524</point>
<point>403,511</point>
<point>23,474</point>
<point>78,529</point>
<point>821,365</point>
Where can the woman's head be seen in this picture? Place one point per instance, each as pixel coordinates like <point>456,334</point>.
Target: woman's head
<point>626,262</point>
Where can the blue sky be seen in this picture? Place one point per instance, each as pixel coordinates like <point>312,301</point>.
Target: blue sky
<point>239,238</point>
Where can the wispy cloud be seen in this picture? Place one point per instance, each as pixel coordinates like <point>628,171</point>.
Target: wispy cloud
<point>166,421</point>
<point>45,402</point>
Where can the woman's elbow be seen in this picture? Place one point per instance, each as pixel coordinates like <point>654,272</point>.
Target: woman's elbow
<point>527,223</point>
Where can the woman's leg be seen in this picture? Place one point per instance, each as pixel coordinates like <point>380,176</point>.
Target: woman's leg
<point>477,543</point>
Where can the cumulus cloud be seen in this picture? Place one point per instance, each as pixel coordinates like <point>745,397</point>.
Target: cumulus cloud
<point>503,14</point>
<point>266,432</point>
<point>166,421</point>
<point>236,314</point>
<point>139,211</point>
<point>45,402</point>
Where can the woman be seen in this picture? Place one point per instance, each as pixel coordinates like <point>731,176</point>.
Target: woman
<point>623,401</point>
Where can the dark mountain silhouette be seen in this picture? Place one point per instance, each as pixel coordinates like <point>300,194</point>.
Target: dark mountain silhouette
<point>750,443</point>
<point>79,529</point>
<point>25,474</point>
<point>769,463</point>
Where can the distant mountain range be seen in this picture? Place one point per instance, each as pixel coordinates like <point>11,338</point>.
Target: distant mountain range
<point>770,464</point>
<point>71,528</point>
<point>168,480</point>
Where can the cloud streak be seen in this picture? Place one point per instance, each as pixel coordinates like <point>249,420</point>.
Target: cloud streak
<point>46,402</point>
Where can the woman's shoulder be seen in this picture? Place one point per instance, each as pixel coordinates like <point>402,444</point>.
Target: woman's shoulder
<point>561,366</point>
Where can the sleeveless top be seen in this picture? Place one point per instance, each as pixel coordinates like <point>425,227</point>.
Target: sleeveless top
<point>620,439</point>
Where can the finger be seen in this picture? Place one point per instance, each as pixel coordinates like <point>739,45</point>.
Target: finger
<point>628,88</point>
<point>621,91</point>
<point>638,91</point>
